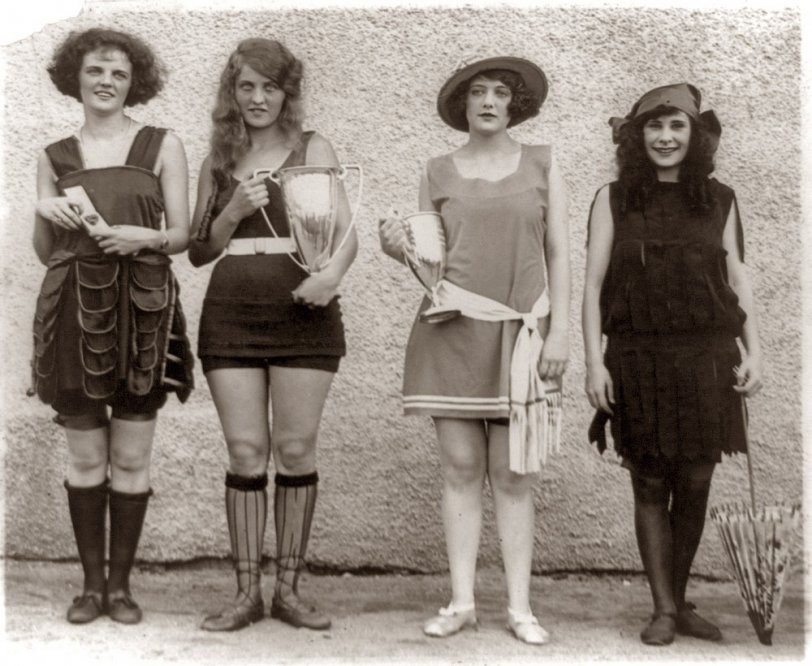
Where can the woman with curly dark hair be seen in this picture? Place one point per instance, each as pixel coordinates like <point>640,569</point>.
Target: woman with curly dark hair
<point>108,330</point>
<point>268,329</point>
<point>666,285</point>
<point>490,378</point>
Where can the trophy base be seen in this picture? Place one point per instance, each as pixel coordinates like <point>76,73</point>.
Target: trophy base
<point>434,316</point>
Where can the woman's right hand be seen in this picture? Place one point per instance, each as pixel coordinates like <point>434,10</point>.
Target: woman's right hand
<point>599,388</point>
<point>249,195</point>
<point>392,234</point>
<point>62,211</point>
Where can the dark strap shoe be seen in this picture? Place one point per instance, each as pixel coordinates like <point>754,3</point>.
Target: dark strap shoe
<point>660,629</point>
<point>122,608</point>
<point>691,624</point>
<point>237,616</point>
<point>297,613</point>
<point>86,608</point>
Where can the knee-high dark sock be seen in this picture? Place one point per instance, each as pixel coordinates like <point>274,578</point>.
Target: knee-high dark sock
<point>294,503</point>
<point>691,489</point>
<point>88,509</point>
<point>127,511</point>
<point>654,537</point>
<point>246,513</point>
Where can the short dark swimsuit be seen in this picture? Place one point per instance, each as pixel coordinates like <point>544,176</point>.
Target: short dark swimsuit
<point>249,317</point>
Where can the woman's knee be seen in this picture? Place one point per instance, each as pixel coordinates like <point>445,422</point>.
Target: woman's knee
<point>464,470</point>
<point>295,452</point>
<point>505,482</point>
<point>131,460</point>
<point>650,489</point>
<point>248,456</point>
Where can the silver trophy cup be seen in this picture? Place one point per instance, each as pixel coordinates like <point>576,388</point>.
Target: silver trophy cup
<point>425,254</point>
<point>311,196</point>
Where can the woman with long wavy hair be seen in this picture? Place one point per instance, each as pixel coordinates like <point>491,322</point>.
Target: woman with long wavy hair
<point>108,330</point>
<point>268,329</point>
<point>666,284</point>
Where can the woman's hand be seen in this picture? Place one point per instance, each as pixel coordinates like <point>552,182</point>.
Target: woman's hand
<point>554,355</point>
<point>126,239</point>
<point>599,388</point>
<point>392,234</point>
<point>248,196</point>
<point>748,376</point>
<point>317,290</point>
<point>62,211</point>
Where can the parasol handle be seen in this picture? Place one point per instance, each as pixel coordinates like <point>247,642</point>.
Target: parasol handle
<point>749,461</point>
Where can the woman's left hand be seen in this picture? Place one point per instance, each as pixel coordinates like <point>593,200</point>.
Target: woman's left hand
<point>317,290</point>
<point>748,376</point>
<point>554,355</point>
<point>124,239</point>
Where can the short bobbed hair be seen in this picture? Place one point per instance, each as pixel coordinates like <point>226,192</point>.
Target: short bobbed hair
<point>524,102</point>
<point>147,72</point>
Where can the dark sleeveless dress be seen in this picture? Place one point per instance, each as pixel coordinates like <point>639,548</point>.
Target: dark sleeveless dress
<point>107,325</point>
<point>248,311</point>
<point>671,320</point>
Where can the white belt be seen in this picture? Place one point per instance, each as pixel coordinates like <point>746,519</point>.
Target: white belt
<point>535,405</point>
<point>261,245</point>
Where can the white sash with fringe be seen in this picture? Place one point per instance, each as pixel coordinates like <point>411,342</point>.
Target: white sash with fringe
<point>535,405</point>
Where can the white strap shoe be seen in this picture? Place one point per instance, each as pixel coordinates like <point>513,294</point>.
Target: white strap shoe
<point>450,620</point>
<point>526,628</point>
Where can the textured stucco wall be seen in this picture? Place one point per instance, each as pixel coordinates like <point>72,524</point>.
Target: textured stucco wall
<point>372,76</point>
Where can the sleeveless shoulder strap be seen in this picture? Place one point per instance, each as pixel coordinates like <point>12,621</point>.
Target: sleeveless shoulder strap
<point>726,197</point>
<point>298,156</point>
<point>65,156</point>
<point>146,146</point>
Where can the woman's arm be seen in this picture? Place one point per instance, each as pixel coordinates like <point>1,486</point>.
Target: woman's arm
<point>320,288</point>
<point>598,387</point>
<point>248,196</point>
<point>555,353</point>
<point>749,374</point>
<point>391,233</point>
<point>126,239</point>
<point>46,188</point>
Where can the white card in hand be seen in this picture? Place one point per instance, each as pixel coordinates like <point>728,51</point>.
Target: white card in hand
<point>90,216</point>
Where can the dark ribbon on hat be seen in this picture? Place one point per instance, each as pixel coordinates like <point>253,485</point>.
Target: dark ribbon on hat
<point>682,96</point>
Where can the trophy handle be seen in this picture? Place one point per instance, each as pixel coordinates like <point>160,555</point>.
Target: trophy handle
<point>267,173</point>
<point>341,173</point>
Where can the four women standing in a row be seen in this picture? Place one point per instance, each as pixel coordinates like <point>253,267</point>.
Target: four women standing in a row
<point>665,283</point>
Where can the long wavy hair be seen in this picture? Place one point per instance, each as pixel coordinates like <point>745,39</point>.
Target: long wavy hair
<point>637,175</point>
<point>230,139</point>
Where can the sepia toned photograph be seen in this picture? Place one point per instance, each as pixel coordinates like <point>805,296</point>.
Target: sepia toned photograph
<point>405,332</point>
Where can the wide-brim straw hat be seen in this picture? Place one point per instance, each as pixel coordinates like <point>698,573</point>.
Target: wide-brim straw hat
<point>533,78</point>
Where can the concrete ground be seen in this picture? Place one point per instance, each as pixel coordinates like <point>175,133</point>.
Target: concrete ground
<point>376,619</point>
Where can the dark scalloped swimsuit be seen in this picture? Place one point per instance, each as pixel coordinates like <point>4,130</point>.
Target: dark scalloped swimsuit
<point>104,324</point>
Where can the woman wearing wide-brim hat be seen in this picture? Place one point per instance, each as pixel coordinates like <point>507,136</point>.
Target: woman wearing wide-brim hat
<point>489,378</point>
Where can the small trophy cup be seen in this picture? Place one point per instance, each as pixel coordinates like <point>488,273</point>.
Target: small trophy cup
<point>426,256</point>
<point>311,196</point>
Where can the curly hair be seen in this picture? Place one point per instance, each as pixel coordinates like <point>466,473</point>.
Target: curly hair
<point>637,175</point>
<point>147,72</point>
<point>524,103</point>
<point>229,138</point>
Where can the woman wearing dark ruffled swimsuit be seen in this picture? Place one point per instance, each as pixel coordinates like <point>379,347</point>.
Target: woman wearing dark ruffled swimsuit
<point>108,330</point>
<point>268,331</point>
<point>666,284</point>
